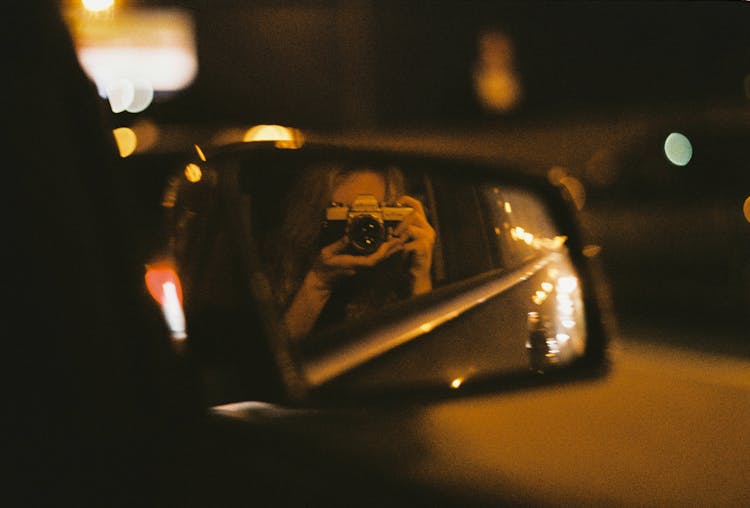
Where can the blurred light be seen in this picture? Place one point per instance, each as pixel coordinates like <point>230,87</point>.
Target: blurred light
<point>426,327</point>
<point>126,141</point>
<point>169,199</point>
<point>129,95</point>
<point>495,79</point>
<point>508,208</point>
<point>97,5</point>
<point>678,149</point>
<point>157,275</point>
<point>193,173</point>
<point>520,234</point>
<point>200,153</point>
<point>552,348</point>
<point>527,237</point>
<point>152,48</point>
<point>547,286</point>
<point>120,93</point>
<point>164,286</point>
<point>143,96</point>
<point>567,284</point>
<point>173,313</point>
<point>562,338</point>
<point>285,137</point>
<point>746,209</point>
<point>456,383</point>
<point>539,297</point>
<point>591,251</point>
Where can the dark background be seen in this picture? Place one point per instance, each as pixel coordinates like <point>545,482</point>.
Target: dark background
<point>340,65</point>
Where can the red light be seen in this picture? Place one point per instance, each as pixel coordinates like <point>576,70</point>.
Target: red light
<point>159,274</point>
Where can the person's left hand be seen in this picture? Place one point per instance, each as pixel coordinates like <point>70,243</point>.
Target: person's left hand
<point>419,238</point>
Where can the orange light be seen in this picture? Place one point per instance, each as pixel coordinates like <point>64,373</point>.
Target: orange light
<point>285,137</point>
<point>193,173</point>
<point>97,5</point>
<point>127,141</point>
<point>200,153</point>
<point>157,276</point>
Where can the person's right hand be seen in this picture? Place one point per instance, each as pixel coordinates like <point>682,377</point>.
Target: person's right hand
<point>333,263</point>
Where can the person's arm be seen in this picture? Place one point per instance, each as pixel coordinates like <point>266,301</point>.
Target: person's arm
<point>315,290</point>
<point>306,305</point>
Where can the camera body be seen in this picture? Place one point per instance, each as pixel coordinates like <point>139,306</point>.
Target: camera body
<point>366,223</point>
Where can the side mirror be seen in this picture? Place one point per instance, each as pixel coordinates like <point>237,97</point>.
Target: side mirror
<point>468,275</point>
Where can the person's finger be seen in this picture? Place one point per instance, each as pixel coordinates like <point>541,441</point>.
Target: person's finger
<point>335,248</point>
<point>412,202</point>
<point>419,233</point>
<point>416,218</point>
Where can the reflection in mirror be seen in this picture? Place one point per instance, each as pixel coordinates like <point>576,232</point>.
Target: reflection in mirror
<point>351,240</point>
<point>365,273</point>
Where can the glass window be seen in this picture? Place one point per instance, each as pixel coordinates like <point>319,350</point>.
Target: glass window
<point>520,223</point>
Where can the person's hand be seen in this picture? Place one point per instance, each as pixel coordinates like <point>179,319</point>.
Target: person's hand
<point>331,264</point>
<point>334,263</point>
<point>419,239</point>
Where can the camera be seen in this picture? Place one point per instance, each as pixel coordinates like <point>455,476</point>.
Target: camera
<point>366,223</point>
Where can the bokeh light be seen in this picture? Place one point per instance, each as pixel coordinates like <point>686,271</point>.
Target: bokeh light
<point>746,209</point>
<point>142,97</point>
<point>592,250</point>
<point>129,95</point>
<point>678,149</point>
<point>97,5</point>
<point>193,173</point>
<point>285,137</point>
<point>120,94</point>
<point>200,153</point>
<point>127,141</point>
<point>153,48</point>
<point>164,285</point>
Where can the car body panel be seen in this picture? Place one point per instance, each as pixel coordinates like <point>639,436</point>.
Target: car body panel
<point>669,429</point>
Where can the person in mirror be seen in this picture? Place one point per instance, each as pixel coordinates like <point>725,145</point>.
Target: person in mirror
<point>322,283</point>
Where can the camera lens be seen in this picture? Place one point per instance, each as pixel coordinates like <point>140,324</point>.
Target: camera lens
<point>366,233</point>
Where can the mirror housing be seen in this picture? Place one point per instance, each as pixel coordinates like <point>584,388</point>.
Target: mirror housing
<point>514,299</point>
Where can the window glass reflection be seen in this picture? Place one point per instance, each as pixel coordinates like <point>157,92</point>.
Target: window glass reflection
<point>521,223</point>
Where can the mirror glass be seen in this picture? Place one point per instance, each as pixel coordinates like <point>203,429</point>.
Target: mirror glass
<point>371,271</point>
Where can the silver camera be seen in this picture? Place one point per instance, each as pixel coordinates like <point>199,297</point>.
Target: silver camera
<point>367,224</point>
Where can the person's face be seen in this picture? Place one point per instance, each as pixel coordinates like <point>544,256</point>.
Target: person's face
<point>359,182</point>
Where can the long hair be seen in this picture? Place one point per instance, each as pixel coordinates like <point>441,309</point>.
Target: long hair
<point>298,238</point>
